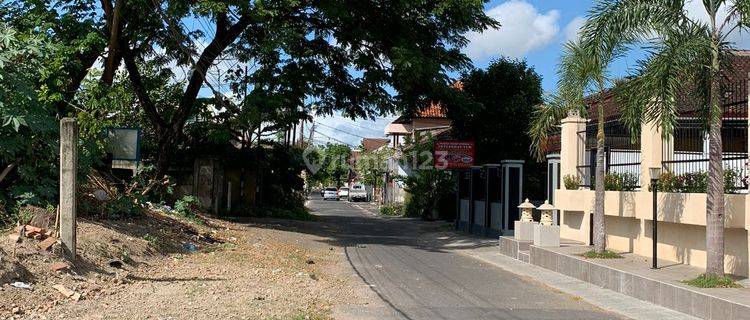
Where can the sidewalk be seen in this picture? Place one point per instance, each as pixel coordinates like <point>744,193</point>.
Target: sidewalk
<point>669,271</point>
<point>606,299</point>
<point>632,276</point>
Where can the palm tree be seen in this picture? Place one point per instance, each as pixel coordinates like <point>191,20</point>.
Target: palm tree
<point>582,72</point>
<point>544,118</point>
<point>684,63</point>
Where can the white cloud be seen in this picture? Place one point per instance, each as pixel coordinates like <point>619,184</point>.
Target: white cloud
<point>573,28</point>
<point>697,11</point>
<point>523,29</point>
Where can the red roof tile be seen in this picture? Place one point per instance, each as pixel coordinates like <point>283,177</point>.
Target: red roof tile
<point>370,144</point>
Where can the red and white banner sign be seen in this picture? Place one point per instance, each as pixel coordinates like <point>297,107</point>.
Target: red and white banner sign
<point>450,154</point>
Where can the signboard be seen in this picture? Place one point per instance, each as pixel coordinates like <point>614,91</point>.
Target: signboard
<point>453,154</point>
<point>124,143</point>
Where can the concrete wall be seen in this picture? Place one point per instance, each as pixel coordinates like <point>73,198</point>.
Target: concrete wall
<point>628,215</point>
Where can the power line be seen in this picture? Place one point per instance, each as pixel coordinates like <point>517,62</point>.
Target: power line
<point>334,139</point>
<point>206,75</point>
<point>340,130</point>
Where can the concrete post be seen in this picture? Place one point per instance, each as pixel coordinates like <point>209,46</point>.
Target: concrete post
<point>572,144</point>
<point>652,151</point>
<point>747,170</point>
<point>68,183</point>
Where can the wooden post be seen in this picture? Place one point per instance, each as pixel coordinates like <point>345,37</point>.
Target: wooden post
<point>68,183</point>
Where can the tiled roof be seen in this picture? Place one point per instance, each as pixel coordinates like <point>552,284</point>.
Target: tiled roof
<point>735,80</point>
<point>434,110</point>
<point>370,144</point>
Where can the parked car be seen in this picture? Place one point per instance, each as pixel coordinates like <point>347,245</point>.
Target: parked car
<point>330,194</point>
<point>343,193</point>
<point>357,193</point>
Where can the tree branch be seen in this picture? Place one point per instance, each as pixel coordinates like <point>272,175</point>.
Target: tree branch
<point>85,60</point>
<point>220,42</point>
<point>6,171</point>
<point>114,22</point>
<point>140,89</point>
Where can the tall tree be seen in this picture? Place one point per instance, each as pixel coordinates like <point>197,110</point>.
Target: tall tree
<point>329,165</point>
<point>497,105</point>
<point>78,31</point>
<point>306,48</point>
<point>583,75</point>
<point>685,63</point>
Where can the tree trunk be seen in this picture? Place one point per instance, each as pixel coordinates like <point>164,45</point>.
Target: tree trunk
<point>715,205</point>
<point>114,22</point>
<point>715,192</point>
<point>599,233</point>
<point>166,148</point>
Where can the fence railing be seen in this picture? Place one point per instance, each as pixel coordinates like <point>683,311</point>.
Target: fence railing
<point>622,153</point>
<point>686,154</point>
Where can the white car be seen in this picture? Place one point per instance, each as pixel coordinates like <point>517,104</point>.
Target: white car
<point>330,194</point>
<point>357,193</point>
<point>344,193</point>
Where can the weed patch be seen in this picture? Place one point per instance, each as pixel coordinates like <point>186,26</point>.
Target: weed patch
<point>703,281</point>
<point>604,255</point>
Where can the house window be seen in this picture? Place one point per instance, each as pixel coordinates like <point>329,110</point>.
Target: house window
<point>689,135</point>
<point>734,136</point>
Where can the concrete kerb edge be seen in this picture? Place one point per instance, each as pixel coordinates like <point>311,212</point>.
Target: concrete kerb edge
<point>636,275</point>
<point>573,285</point>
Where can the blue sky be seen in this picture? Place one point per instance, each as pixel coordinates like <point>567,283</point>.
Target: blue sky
<point>534,30</point>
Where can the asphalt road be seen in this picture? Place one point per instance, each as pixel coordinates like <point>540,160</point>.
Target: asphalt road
<point>417,269</point>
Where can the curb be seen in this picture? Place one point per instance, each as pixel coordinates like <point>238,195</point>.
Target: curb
<point>603,298</point>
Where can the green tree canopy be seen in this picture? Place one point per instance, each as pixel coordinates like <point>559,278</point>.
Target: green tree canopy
<point>504,95</point>
<point>27,126</point>
<point>495,109</point>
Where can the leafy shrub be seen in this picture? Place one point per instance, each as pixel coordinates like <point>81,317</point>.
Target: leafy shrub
<point>667,183</point>
<point>392,209</point>
<point>425,189</point>
<point>730,177</point>
<point>123,206</point>
<point>694,182</point>
<point>120,206</point>
<point>187,207</point>
<point>620,182</point>
<point>571,182</point>
<point>591,254</point>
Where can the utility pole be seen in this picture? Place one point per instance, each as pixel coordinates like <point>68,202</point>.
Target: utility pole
<point>302,132</point>
<point>312,132</point>
<point>294,134</point>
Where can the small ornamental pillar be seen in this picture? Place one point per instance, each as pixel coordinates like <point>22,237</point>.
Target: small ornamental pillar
<point>524,228</point>
<point>526,210</point>
<point>547,211</point>
<point>546,234</point>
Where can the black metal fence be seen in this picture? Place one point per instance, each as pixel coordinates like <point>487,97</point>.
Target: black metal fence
<point>622,152</point>
<point>685,155</point>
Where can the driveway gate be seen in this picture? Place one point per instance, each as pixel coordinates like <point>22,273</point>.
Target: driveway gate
<point>488,198</point>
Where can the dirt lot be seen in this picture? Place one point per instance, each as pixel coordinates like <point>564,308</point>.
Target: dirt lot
<point>236,270</point>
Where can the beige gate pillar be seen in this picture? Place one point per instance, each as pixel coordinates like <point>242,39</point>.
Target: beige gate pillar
<point>653,151</point>
<point>747,173</point>
<point>572,143</point>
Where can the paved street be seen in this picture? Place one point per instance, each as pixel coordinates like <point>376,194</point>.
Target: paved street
<point>415,268</point>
